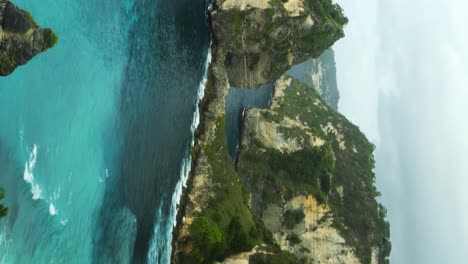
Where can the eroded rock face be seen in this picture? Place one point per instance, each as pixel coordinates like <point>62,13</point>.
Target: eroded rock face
<point>299,161</point>
<point>272,130</point>
<point>20,37</point>
<point>318,241</point>
<point>254,42</point>
<point>264,38</point>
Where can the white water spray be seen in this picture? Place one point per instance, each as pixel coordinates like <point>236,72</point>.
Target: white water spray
<point>164,242</point>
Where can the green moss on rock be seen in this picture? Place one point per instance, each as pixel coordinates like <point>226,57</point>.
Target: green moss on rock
<point>227,212</point>
<point>7,63</point>
<point>50,38</point>
<point>292,218</point>
<point>283,257</point>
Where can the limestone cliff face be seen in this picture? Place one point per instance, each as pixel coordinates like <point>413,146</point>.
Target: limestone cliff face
<point>20,37</point>
<point>264,38</point>
<point>292,196</point>
<point>308,172</point>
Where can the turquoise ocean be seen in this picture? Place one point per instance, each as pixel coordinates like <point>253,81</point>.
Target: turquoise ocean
<point>95,133</point>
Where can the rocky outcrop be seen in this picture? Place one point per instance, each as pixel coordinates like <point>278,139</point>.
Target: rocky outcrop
<point>20,37</point>
<point>264,38</point>
<point>303,184</point>
<point>314,238</point>
<point>309,173</point>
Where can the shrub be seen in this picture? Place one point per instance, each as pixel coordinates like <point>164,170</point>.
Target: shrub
<point>294,239</point>
<point>207,236</point>
<point>7,61</point>
<point>50,38</point>
<point>283,257</point>
<point>293,217</point>
<point>226,225</point>
<point>239,239</point>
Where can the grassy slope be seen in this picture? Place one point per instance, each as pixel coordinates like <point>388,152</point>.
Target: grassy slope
<point>227,226</point>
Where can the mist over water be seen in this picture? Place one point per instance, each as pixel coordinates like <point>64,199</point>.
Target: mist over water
<point>93,133</point>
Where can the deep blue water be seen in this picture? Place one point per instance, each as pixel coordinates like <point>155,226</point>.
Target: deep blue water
<point>237,101</point>
<point>95,133</point>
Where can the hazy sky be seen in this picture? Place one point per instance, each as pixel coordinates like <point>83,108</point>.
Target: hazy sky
<point>403,78</point>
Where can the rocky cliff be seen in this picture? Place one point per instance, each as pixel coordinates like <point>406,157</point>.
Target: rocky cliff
<point>320,74</point>
<point>20,37</point>
<point>292,196</point>
<point>264,38</point>
<point>310,175</point>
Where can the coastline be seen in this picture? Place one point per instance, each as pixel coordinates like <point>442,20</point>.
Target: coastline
<point>215,219</point>
<point>202,108</point>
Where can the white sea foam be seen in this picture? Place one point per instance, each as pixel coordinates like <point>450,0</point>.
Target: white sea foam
<point>28,174</point>
<point>102,179</point>
<point>52,210</point>
<point>159,240</point>
<point>5,242</point>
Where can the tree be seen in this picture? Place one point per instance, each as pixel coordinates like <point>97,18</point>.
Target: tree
<point>3,209</point>
<point>208,238</point>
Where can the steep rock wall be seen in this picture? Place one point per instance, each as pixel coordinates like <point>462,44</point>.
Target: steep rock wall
<point>309,173</point>
<point>222,216</point>
<point>264,38</point>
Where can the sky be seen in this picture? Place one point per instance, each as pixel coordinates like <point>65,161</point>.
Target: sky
<point>403,77</point>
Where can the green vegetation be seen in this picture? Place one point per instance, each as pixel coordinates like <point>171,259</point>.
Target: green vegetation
<point>321,38</point>
<point>283,257</point>
<point>3,209</point>
<point>307,170</point>
<point>293,217</point>
<point>226,226</point>
<point>327,11</point>
<point>269,29</point>
<point>207,239</point>
<point>237,20</point>
<point>50,38</point>
<point>294,239</point>
<point>357,215</point>
<point>7,62</point>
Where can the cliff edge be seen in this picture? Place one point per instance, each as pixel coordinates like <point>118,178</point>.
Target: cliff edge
<point>20,37</point>
<point>264,38</point>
